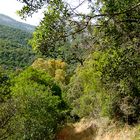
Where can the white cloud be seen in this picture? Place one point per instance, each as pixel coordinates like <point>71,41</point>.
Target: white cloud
<point>9,7</point>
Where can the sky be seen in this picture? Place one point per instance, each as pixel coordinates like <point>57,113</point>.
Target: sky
<point>9,8</point>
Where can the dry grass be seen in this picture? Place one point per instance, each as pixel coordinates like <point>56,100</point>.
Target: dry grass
<point>89,129</point>
<point>83,130</point>
<point>125,133</point>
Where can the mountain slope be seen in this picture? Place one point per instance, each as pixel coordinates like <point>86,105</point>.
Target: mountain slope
<point>14,49</point>
<point>8,21</point>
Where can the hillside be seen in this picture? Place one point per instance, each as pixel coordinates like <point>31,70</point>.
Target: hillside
<point>14,49</point>
<point>8,21</point>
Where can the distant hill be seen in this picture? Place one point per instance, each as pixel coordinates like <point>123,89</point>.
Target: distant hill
<point>15,53</point>
<point>8,21</point>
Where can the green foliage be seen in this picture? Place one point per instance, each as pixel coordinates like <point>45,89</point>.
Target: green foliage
<point>122,75</point>
<point>84,88</point>
<point>14,51</point>
<point>54,38</point>
<point>4,86</point>
<point>7,106</point>
<point>106,84</point>
<point>47,36</point>
<point>40,108</point>
<point>14,34</point>
<point>111,76</point>
<point>110,80</point>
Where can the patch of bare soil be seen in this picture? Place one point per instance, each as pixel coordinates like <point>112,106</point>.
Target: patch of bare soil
<point>83,130</point>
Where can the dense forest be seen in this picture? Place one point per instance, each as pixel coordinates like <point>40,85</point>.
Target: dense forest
<point>75,65</point>
<point>15,53</point>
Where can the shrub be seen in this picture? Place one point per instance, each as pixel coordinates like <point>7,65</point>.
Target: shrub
<point>7,106</point>
<point>110,79</point>
<point>55,68</point>
<point>40,108</point>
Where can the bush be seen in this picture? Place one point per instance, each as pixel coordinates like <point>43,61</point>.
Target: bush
<point>56,68</point>
<point>40,108</point>
<point>7,106</point>
<point>122,75</point>
<point>110,79</point>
